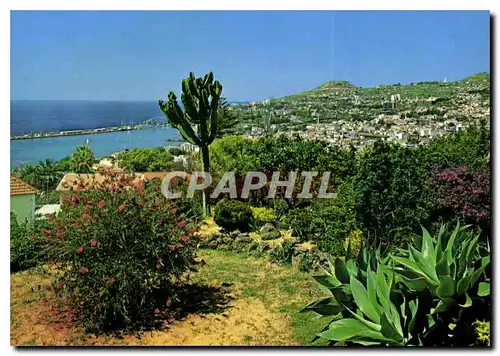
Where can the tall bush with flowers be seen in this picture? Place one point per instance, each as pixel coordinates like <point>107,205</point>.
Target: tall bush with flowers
<point>119,247</point>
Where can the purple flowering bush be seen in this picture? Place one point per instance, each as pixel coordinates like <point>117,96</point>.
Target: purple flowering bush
<point>463,193</point>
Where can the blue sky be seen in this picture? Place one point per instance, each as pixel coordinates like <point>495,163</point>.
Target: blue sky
<point>141,55</point>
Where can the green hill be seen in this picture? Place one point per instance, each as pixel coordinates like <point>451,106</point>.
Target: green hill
<point>427,101</point>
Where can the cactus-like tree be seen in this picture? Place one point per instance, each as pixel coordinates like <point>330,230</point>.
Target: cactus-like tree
<point>197,122</point>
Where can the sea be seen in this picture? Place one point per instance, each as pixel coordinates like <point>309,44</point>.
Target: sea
<point>53,116</point>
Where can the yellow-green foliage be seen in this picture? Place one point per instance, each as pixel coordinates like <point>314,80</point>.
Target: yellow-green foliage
<point>483,332</point>
<point>355,237</point>
<point>263,215</point>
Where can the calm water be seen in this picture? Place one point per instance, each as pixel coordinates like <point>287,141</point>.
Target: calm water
<point>33,116</point>
<point>48,116</point>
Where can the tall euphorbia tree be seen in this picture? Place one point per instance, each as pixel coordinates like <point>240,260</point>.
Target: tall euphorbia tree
<point>198,122</point>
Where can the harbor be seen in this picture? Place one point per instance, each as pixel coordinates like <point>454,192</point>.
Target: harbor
<point>103,145</point>
<point>101,130</point>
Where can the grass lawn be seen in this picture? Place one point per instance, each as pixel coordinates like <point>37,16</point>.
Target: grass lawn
<point>239,300</point>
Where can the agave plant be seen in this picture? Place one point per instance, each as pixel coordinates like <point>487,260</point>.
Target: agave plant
<point>419,296</point>
<point>451,269</point>
<point>367,308</point>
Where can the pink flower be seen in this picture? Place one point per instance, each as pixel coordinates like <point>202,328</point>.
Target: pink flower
<point>60,234</point>
<point>84,270</point>
<point>112,281</point>
<point>86,216</point>
<point>184,238</point>
<point>158,265</point>
<point>80,249</point>
<point>32,238</point>
<point>59,284</point>
<point>93,243</point>
<point>121,208</point>
<point>100,204</point>
<point>181,225</point>
<point>50,217</point>
<point>174,211</point>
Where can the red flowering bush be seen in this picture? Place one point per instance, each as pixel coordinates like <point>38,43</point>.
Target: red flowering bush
<point>119,248</point>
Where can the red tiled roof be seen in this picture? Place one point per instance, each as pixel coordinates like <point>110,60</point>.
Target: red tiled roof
<point>18,187</point>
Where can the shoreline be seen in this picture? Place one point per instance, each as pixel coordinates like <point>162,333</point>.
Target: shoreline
<point>88,132</point>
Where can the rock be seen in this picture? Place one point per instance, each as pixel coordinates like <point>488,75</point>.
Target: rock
<point>269,232</point>
<point>234,233</point>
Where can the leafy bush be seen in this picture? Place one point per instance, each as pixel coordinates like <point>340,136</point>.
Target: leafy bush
<point>306,262</point>
<point>25,247</point>
<point>262,216</point>
<point>146,160</point>
<point>438,288</point>
<point>462,149</point>
<point>389,187</point>
<point>327,222</point>
<point>282,254</point>
<point>119,248</point>
<point>49,197</point>
<point>176,151</point>
<point>354,241</point>
<point>483,332</point>
<point>233,215</point>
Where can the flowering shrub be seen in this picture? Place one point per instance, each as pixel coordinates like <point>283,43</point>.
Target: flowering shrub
<point>464,193</point>
<point>118,248</point>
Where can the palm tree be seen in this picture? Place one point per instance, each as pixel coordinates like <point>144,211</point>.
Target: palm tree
<point>82,160</point>
<point>28,173</point>
<point>49,173</point>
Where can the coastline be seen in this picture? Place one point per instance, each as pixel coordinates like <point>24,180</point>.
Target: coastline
<point>39,148</point>
<point>101,130</point>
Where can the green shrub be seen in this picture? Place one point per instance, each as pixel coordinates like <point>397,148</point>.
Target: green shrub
<point>306,262</point>
<point>262,216</point>
<point>327,222</point>
<point>483,332</point>
<point>146,160</point>
<point>354,241</point>
<point>25,246</point>
<point>311,260</point>
<point>389,189</point>
<point>176,151</point>
<point>281,208</point>
<point>300,221</point>
<point>120,250</point>
<point>282,254</point>
<point>233,215</point>
<point>427,295</point>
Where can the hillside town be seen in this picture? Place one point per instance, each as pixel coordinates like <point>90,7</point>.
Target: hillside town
<point>344,115</point>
